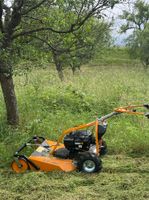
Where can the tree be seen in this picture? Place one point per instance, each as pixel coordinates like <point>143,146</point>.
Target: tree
<point>17,12</point>
<point>138,45</point>
<point>72,49</point>
<point>138,21</point>
<point>80,47</point>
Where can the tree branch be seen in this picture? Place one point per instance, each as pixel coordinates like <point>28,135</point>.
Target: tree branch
<point>92,12</point>
<point>44,41</point>
<point>15,16</point>
<point>18,4</point>
<point>68,50</point>
<point>1,14</point>
<point>34,7</point>
<point>72,28</point>
<point>52,48</point>
<point>39,30</point>
<point>33,18</point>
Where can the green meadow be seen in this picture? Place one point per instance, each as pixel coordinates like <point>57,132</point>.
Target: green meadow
<point>47,106</point>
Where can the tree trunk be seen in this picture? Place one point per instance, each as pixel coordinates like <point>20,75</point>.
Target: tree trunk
<point>9,98</point>
<point>73,69</point>
<point>58,66</point>
<point>60,72</point>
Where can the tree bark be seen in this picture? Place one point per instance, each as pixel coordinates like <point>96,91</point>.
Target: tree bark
<point>10,99</point>
<point>60,72</point>
<point>58,66</point>
<point>73,69</point>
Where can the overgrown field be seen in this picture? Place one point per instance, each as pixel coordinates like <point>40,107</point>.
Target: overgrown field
<point>48,106</point>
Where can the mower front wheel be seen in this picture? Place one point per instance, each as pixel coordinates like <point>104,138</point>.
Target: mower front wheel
<point>89,163</point>
<point>20,166</point>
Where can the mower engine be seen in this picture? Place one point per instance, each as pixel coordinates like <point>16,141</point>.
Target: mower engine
<point>78,141</point>
<point>83,140</point>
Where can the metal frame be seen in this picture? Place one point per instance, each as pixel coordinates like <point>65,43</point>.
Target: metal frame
<point>18,156</point>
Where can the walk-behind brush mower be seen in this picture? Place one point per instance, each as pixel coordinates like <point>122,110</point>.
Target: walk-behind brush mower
<point>81,148</point>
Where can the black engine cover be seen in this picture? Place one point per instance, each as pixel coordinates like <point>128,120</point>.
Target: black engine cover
<point>78,140</point>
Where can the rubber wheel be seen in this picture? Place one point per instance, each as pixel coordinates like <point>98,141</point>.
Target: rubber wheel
<point>19,167</point>
<point>89,163</point>
<point>104,148</point>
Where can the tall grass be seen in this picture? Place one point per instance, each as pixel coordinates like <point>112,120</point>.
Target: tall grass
<point>47,106</point>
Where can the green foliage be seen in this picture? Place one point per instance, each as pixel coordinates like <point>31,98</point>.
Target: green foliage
<point>91,39</point>
<point>25,19</point>
<point>64,49</point>
<point>76,48</point>
<point>139,45</point>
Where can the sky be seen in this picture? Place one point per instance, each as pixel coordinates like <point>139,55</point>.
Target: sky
<point>119,39</point>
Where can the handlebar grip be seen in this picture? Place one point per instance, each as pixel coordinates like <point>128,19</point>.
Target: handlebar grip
<point>146,106</point>
<point>147,115</point>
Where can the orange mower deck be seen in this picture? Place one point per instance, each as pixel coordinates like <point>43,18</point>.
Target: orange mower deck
<point>42,158</point>
<point>48,162</point>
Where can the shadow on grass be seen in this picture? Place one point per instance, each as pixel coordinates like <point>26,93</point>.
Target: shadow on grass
<point>139,155</point>
<point>124,170</point>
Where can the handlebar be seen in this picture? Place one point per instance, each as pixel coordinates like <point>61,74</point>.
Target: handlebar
<point>108,116</point>
<point>20,148</point>
<point>35,139</point>
<point>147,115</point>
<point>127,109</point>
<point>146,106</point>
